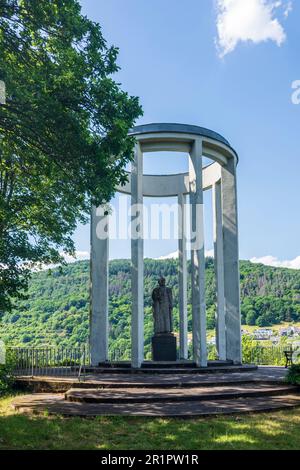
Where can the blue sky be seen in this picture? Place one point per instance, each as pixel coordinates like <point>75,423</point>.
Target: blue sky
<point>229,67</point>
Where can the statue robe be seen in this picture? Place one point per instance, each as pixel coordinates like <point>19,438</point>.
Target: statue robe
<point>162,309</point>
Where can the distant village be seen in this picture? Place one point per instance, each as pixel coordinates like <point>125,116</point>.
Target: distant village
<point>262,334</point>
<point>291,334</point>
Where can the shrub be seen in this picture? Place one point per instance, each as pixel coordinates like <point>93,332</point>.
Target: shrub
<point>6,379</point>
<point>249,348</point>
<point>6,374</point>
<point>293,376</point>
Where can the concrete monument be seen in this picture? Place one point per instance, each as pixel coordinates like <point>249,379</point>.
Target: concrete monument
<point>217,178</point>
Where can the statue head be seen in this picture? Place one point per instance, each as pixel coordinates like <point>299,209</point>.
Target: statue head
<point>162,282</point>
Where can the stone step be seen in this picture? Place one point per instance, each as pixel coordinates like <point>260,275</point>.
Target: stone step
<point>174,384</point>
<point>60,385</point>
<point>55,404</point>
<point>152,395</point>
<point>63,384</point>
<point>50,384</point>
<point>154,364</point>
<point>170,370</point>
<point>180,364</point>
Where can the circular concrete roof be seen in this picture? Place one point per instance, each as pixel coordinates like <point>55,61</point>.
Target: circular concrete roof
<point>179,128</point>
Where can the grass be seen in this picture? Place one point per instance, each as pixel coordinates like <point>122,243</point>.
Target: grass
<point>278,430</point>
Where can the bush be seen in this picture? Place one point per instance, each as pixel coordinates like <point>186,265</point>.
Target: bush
<point>6,379</point>
<point>6,374</point>
<point>293,376</point>
<point>249,348</point>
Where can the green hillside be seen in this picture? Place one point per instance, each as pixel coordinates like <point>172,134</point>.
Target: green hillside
<point>57,309</point>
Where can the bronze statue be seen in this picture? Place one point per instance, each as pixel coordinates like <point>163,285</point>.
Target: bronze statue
<point>162,308</point>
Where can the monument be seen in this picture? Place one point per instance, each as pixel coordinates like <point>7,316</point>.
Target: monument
<point>217,178</point>
<point>163,341</point>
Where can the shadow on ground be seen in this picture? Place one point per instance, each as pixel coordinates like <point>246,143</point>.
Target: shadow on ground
<point>280,430</point>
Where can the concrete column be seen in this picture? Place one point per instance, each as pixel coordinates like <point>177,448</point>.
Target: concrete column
<point>231,263</point>
<point>2,92</point>
<point>137,260</point>
<point>99,287</point>
<point>219,270</point>
<point>198,256</point>
<point>182,264</point>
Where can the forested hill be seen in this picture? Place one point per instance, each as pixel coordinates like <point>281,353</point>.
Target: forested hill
<point>57,309</point>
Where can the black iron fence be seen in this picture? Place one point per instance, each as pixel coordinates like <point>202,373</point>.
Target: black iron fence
<point>48,361</point>
<point>259,354</point>
<point>119,354</point>
<point>74,361</point>
<point>272,355</point>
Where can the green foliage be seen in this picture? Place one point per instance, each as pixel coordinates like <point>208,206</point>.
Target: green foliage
<point>269,295</point>
<point>6,375</point>
<point>293,376</point>
<point>256,353</point>
<point>63,132</point>
<point>249,348</point>
<point>4,380</point>
<point>56,312</point>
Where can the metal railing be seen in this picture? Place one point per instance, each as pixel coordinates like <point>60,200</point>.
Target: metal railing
<point>82,366</point>
<point>55,362</point>
<point>272,355</point>
<point>259,355</point>
<point>118,354</point>
<point>72,362</point>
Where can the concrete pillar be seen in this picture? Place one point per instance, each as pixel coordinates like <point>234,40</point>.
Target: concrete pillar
<point>2,92</point>
<point>219,270</point>
<point>137,260</point>
<point>198,256</point>
<point>182,265</point>
<point>231,263</point>
<point>99,287</point>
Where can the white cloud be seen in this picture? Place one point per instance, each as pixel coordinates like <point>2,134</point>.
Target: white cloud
<point>208,254</point>
<point>266,260</point>
<point>275,262</point>
<point>288,8</point>
<point>79,256</point>
<point>169,256</point>
<point>250,20</point>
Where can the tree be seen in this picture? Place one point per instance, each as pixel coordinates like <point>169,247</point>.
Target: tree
<point>251,317</point>
<point>63,132</point>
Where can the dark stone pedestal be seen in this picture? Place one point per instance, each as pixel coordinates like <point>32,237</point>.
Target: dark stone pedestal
<point>164,347</point>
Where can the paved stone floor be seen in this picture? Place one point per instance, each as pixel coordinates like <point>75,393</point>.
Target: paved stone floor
<point>124,380</point>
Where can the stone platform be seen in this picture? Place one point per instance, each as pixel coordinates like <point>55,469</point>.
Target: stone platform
<point>164,347</point>
<point>169,367</point>
<point>179,395</point>
<point>154,395</point>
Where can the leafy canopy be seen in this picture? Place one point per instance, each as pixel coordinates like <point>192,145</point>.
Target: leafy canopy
<point>63,131</point>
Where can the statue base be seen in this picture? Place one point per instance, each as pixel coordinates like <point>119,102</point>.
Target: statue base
<point>164,347</point>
